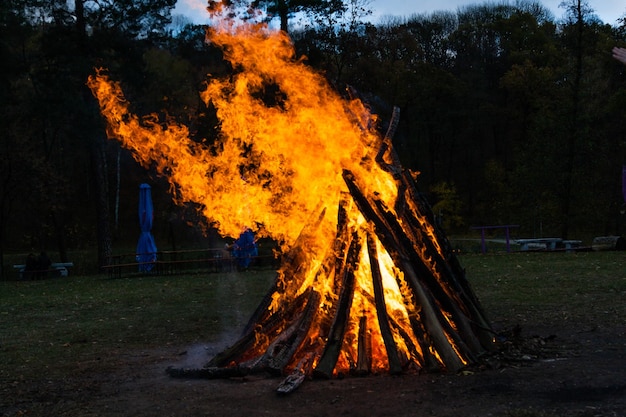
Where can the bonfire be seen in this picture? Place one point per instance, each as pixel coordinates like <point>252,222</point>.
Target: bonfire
<point>368,283</point>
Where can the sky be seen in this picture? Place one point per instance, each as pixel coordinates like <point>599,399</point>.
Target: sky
<point>607,10</point>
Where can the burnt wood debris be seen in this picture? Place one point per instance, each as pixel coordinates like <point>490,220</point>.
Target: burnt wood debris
<point>450,329</point>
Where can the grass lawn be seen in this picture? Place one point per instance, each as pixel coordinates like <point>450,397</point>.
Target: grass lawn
<point>56,325</point>
<point>550,289</point>
<point>82,326</point>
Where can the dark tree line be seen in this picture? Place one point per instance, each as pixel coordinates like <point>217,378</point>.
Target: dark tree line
<point>510,114</point>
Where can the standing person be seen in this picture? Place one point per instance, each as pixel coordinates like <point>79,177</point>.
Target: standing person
<point>620,54</point>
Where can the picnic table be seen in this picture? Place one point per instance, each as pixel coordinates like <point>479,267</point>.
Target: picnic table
<point>547,243</point>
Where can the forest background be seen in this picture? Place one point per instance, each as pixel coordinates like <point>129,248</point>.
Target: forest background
<point>510,114</point>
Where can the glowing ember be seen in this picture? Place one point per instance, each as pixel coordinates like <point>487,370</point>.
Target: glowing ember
<point>372,294</point>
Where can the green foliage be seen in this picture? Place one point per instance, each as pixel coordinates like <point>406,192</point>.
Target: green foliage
<point>448,207</point>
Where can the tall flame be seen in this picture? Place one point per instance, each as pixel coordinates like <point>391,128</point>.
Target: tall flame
<point>277,167</point>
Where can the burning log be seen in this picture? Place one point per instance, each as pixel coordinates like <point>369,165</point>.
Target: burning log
<point>426,279</point>
<point>327,362</point>
<point>383,318</point>
<point>281,350</point>
<point>269,325</point>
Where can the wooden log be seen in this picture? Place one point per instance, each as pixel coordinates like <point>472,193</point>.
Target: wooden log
<point>281,350</point>
<point>431,319</point>
<point>393,124</point>
<point>291,383</point>
<point>328,360</point>
<point>451,269</point>
<point>424,357</point>
<point>364,350</point>
<point>297,376</point>
<point>387,158</point>
<point>431,316</point>
<point>268,327</point>
<point>262,311</point>
<point>440,285</point>
<point>381,309</point>
<point>342,240</point>
<point>298,261</point>
<point>209,373</point>
<point>423,209</point>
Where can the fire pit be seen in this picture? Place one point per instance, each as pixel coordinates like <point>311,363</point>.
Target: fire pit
<point>368,282</point>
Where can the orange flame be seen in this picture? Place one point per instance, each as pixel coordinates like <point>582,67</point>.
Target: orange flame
<point>278,166</point>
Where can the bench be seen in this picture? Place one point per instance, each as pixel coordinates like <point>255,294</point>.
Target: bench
<point>59,268</point>
<point>546,243</point>
<point>549,243</point>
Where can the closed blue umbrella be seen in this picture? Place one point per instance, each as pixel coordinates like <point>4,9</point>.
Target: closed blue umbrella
<point>146,247</point>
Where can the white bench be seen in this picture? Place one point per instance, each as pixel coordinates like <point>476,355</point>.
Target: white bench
<point>60,267</point>
<point>548,243</point>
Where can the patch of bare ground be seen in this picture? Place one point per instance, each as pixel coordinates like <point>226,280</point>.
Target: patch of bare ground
<point>542,372</point>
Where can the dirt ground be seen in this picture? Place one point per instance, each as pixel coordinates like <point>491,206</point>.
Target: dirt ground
<point>574,372</point>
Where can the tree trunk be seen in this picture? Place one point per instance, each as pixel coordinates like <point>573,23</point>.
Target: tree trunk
<point>283,13</point>
<point>103,226</point>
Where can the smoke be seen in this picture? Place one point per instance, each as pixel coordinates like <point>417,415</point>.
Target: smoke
<point>197,355</point>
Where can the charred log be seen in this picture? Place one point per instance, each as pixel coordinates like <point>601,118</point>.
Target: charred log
<point>381,310</point>
<point>298,376</point>
<point>271,324</point>
<point>326,365</point>
<point>364,353</point>
<point>281,350</point>
<point>209,372</point>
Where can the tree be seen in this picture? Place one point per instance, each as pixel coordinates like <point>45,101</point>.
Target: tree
<point>58,123</point>
<point>575,28</point>
<point>284,10</point>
